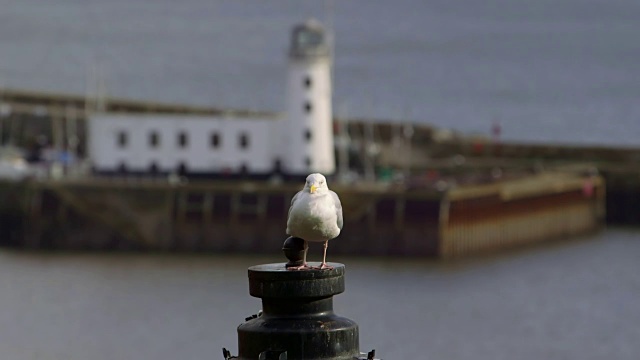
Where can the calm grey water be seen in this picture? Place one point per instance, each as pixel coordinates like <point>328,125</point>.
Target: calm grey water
<point>547,70</point>
<point>575,300</point>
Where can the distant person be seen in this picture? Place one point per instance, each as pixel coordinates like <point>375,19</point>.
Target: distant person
<point>35,148</point>
<point>496,130</point>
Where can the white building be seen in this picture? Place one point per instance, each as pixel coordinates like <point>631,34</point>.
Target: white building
<point>299,144</point>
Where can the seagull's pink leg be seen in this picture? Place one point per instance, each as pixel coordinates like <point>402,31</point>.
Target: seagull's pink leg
<point>324,257</point>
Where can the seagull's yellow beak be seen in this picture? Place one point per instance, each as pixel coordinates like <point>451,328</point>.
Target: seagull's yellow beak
<point>313,188</point>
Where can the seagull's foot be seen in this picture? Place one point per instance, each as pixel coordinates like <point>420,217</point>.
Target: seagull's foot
<point>304,266</point>
<point>323,266</point>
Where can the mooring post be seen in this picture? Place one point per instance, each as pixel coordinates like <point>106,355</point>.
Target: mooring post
<point>297,319</point>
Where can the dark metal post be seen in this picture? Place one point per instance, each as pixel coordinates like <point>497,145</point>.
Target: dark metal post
<point>297,319</point>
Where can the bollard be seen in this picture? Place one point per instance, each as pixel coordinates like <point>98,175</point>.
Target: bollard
<point>297,319</point>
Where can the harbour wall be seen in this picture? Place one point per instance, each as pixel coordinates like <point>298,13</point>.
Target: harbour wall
<point>250,217</point>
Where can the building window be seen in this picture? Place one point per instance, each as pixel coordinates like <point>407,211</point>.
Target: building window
<point>307,161</point>
<point>154,168</point>
<point>183,139</point>
<point>215,140</point>
<point>154,139</point>
<point>307,107</point>
<point>243,141</point>
<point>122,139</point>
<point>307,135</point>
<point>277,166</point>
<point>307,82</point>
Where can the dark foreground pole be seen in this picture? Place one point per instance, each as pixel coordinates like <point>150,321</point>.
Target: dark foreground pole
<point>297,319</point>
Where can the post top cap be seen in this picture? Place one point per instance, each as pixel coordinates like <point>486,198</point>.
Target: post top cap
<point>278,271</point>
<point>275,281</point>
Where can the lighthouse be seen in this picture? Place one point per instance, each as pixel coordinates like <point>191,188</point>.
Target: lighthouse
<point>307,143</point>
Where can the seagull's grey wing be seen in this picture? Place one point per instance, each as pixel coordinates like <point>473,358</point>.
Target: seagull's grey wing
<point>293,200</point>
<point>336,200</point>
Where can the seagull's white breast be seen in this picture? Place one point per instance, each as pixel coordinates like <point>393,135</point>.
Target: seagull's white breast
<point>313,218</point>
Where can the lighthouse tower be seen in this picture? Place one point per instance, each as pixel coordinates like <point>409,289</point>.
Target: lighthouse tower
<point>308,128</point>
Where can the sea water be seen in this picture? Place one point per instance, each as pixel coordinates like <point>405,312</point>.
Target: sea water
<point>569,300</point>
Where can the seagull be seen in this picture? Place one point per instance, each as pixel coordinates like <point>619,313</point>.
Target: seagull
<point>315,215</point>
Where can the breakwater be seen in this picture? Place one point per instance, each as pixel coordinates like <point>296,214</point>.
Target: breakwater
<point>250,217</point>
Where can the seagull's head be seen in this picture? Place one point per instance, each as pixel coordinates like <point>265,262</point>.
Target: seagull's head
<point>316,184</point>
